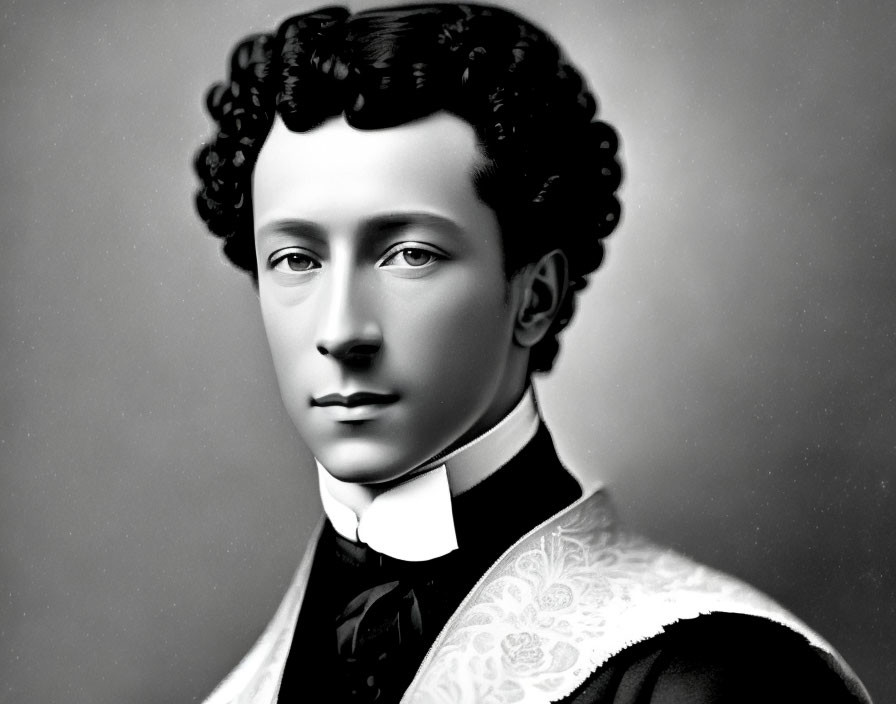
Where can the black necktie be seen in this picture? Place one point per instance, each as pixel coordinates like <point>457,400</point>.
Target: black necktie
<point>379,632</point>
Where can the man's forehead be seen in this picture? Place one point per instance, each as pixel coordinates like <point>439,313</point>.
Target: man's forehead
<point>335,169</point>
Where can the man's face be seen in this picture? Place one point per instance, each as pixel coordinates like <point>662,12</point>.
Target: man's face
<point>383,292</point>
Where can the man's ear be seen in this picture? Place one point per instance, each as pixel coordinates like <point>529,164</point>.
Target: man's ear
<point>543,289</point>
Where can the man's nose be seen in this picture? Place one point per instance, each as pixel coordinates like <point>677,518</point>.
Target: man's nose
<point>348,330</point>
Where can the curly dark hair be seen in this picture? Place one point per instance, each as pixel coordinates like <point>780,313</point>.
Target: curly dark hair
<point>551,171</point>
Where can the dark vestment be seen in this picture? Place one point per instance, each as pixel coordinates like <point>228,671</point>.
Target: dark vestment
<point>368,620</point>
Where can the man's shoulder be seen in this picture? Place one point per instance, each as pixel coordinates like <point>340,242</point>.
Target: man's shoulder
<point>572,594</point>
<point>718,657</point>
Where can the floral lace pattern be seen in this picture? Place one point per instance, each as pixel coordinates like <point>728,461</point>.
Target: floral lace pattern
<point>565,599</point>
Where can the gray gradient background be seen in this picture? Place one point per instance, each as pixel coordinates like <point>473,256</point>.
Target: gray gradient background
<point>731,372</point>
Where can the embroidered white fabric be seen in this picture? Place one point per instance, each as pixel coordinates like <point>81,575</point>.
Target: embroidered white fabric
<point>565,599</point>
<point>556,606</point>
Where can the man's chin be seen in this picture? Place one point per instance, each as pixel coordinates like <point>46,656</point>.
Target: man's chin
<point>362,462</point>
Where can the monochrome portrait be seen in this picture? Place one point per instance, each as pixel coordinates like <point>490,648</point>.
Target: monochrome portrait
<point>448,352</point>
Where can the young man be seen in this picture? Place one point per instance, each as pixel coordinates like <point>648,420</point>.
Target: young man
<point>419,193</point>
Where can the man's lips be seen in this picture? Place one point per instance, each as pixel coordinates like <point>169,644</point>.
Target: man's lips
<point>359,398</point>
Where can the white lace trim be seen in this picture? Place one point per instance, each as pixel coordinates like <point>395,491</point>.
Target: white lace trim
<point>565,599</point>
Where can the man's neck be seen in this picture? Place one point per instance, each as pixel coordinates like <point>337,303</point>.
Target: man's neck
<point>413,517</point>
<point>357,496</point>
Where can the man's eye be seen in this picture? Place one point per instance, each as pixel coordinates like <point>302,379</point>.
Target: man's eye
<point>411,257</point>
<point>294,262</point>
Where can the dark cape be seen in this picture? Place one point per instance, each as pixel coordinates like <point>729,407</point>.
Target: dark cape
<point>371,628</point>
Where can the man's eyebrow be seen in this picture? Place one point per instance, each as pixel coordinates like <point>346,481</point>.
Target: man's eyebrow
<point>291,227</point>
<point>388,222</point>
<point>381,224</point>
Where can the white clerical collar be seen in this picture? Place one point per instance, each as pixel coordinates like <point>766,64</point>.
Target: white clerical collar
<point>413,520</point>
